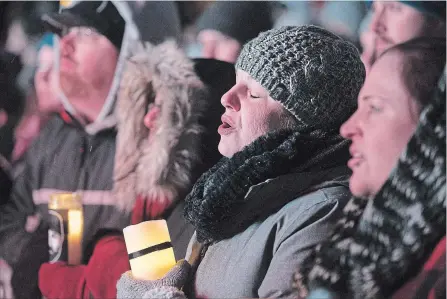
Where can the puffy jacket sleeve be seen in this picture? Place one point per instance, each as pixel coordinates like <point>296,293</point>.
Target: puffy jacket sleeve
<point>301,232</point>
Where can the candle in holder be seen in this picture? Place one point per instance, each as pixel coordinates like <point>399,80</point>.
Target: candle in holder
<point>66,228</point>
<point>150,250</point>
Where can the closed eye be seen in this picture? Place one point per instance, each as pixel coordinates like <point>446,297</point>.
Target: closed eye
<point>375,108</point>
<point>253,96</point>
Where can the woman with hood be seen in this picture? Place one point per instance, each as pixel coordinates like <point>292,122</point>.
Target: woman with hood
<point>390,242</point>
<point>168,113</point>
<point>283,181</point>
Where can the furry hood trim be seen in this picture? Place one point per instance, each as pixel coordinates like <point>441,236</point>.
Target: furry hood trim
<point>158,168</point>
<point>161,21</point>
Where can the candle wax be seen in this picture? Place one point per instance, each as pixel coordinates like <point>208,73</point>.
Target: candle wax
<point>153,265</point>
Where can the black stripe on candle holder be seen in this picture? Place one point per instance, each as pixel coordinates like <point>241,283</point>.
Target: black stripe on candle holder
<point>148,250</point>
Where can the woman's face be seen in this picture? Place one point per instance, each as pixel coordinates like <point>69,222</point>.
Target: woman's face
<point>385,119</point>
<point>249,113</point>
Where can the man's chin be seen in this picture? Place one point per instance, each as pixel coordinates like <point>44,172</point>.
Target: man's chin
<point>68,84</point>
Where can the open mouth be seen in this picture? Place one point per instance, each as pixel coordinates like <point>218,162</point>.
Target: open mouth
<point>355,161</point>
<point>226,127</point>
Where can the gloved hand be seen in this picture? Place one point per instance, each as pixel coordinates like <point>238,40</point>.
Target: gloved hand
<point>168,287</point>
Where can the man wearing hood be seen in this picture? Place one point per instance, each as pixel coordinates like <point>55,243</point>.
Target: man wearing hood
<point>75,152</point>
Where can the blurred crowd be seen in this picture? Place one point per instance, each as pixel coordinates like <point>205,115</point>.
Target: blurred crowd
<point>296,149</point>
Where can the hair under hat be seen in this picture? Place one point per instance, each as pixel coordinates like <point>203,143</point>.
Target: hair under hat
<point>315,74</point>
<point>434,8</point>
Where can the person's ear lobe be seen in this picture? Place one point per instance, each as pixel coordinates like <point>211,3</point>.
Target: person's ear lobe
<point>146,120</point>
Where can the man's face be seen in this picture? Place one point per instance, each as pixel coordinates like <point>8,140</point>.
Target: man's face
<point>87,60</point>
<point>394,23</point>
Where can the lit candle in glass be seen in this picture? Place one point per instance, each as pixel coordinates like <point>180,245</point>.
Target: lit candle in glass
<point>150,251</point>
<point>66,228</point>
<point>75,228</point>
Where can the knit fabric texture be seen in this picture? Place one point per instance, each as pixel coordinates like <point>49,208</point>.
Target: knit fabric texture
<point>380,244</point>
<point>167,287</point>
<point>315,74</point>
<point>218,206</point>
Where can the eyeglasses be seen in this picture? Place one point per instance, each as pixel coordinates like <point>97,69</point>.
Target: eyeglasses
<point>81,32</point>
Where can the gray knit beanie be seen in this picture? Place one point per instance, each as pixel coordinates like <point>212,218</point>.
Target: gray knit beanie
<point>315,74</point>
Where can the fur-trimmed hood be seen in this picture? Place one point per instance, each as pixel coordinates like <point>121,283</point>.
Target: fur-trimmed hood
<point>159,170</point>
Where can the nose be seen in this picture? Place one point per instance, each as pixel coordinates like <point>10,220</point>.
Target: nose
<point>351,127</point>
<point>151,117</point>
<point>377,24</point>
<point>230,100</point>
<point>66,44</point>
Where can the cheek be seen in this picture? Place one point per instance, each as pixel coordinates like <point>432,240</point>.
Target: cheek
<point>384,148</point>
<point>407,27</point>
<point>256,122</point>
<point>88,66</point>
<point>97,63</point>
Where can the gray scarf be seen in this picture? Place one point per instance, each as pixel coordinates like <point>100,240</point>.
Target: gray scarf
<point>218,206</point>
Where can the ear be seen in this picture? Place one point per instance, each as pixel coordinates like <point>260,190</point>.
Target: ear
<point>147,120</point>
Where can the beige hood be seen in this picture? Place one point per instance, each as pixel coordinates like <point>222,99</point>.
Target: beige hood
<point>159,170</point>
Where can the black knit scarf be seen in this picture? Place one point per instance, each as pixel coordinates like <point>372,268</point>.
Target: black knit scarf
<point>219,195</point>
<point>377,247</point>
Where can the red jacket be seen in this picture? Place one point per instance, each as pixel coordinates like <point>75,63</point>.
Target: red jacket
<point>108,261</point>
<point>430,281</point>
<point>97,279</point>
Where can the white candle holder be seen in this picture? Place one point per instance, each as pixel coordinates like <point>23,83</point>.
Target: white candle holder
<point>66,228</point>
